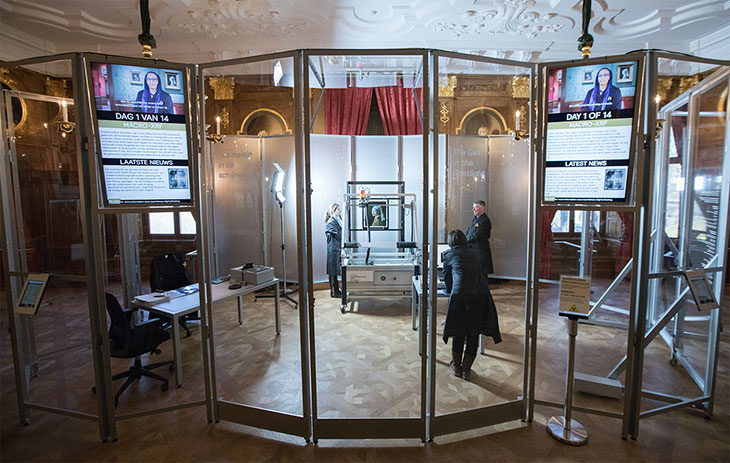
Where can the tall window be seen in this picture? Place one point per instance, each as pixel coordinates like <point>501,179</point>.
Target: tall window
<point>171,223</point>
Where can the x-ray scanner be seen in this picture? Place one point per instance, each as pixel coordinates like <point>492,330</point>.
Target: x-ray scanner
<point>380,252</point>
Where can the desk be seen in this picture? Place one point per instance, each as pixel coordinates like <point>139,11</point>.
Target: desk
<point>183,305</point>
<point>416,295</point>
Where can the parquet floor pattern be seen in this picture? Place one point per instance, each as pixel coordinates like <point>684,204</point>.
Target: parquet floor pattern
<point>367,364</point>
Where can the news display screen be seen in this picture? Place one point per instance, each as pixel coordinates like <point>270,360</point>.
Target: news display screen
<point>143,137</point>
<point>590,124</point>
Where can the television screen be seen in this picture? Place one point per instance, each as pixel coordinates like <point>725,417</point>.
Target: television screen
<point>142,133</point>
<point>589,132</point>
<point>377,215</point>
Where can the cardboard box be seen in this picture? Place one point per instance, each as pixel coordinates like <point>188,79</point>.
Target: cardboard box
<point>258,274</point>
<point>237,275</point>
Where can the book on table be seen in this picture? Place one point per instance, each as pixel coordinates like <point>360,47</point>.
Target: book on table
<point>152,298</point>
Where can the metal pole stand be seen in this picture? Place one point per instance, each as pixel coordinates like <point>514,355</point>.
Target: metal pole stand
<point>285,292</point>
<point>563,428</point>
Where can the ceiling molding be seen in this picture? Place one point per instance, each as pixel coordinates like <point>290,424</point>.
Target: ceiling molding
<point>513,17</point>
<point>74,20</point>
<point>201,30</point>
<point>230,18</point>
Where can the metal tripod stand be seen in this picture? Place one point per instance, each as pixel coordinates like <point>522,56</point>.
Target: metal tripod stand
<point>285,292</point>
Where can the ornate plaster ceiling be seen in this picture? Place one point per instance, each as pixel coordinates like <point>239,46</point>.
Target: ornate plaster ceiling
<point>207,30</point>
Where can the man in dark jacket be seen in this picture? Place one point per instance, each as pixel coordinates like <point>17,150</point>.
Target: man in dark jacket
<point>471,308</point>
<point>478,236</point>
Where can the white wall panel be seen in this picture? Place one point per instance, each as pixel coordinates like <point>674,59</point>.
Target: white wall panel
<point>330,164</point>
<point>508,204</point>
<point>237,205</point>
<point>280,150</point>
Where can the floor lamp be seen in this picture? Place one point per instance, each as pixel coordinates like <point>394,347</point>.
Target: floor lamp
<point>277,188</point>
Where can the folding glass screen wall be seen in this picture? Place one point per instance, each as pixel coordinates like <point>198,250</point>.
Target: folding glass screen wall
<point>403,142</point>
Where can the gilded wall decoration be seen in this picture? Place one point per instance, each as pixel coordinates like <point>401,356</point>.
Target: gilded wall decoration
<point>56,87</point>
<point>222,87</point>
<point>444,111</point>
<point>447,86</point>
<point>685,83</point>
<point>664,85</point>
<point>225,117</point>
<point>20,110</point>
<point>520,87</point>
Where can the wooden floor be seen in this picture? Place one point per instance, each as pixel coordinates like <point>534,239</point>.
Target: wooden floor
<point>367,365</point>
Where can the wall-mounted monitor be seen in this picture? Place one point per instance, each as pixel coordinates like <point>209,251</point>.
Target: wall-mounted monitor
<point>143,132</point>
<point>590,133</point>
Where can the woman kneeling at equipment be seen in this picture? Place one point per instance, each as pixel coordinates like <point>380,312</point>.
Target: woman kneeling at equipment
<point>471,307</point>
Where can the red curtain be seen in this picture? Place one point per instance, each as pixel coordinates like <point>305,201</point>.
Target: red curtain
<point>626,240</point>
<point>346,110</point>
<point>398,110</point>
<point>546,244</point>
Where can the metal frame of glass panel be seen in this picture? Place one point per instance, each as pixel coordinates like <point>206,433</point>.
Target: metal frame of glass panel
<point>92,212</point>
<point>344,428</point>
<point>660,317</point>
<point>642,324</point>
<point>485,415</point>
<point>224,409</point>
<point>637,203</point>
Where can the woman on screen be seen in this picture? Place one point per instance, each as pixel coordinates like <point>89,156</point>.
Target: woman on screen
<point>603,95</point>
<point>153,99</point>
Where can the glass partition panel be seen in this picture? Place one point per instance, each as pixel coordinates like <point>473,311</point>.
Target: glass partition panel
<point>249,115</point>
<point>366,164</point>
<point>41,202</point>
<point>484,110</point>
<point>688,222</point>
<point>708,141</point>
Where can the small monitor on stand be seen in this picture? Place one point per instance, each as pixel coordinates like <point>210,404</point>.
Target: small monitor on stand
<point>32,294</point>
<point>701,290</point>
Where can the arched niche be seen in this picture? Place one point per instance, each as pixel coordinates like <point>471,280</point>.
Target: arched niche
<point>264,122</point>
<point>482,121</point>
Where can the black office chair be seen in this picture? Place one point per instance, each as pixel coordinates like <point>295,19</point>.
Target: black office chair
<point>167,272</point>
<point>128,342</point>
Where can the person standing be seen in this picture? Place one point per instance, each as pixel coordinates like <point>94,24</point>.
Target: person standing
<point>478,236</point>
<point>471,309</point>
<point>333,232</point>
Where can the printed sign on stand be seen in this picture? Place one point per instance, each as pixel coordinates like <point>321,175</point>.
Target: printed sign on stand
<point>575,296</point>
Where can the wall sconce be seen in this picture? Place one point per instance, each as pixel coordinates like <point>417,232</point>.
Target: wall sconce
<point>659,128</point>
<point>64,127</point>
<point>217,137</point>
<point>518,134</point>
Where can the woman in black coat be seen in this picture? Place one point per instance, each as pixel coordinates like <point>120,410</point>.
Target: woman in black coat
<point>333,232</point>
<point>471,307</point>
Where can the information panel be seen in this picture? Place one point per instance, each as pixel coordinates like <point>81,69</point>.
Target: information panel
<point>590,124</point>
<point>143,137</point>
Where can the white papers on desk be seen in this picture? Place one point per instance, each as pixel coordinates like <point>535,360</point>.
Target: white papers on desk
<point>184,291</point>
<point>152,298</point>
